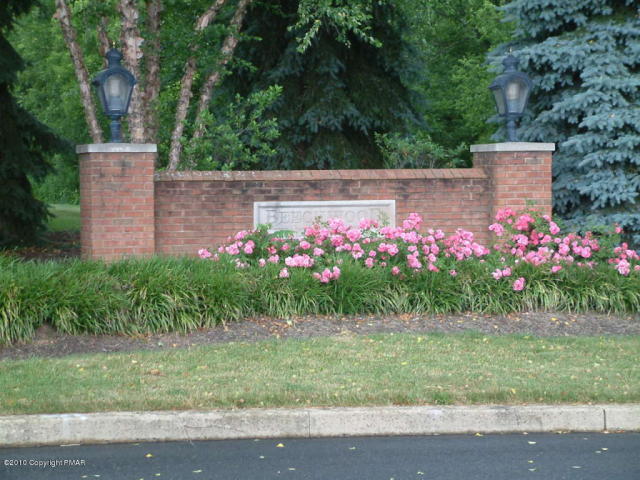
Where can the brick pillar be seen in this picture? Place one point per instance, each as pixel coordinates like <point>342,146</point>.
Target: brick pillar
<point>117,200</point>
<point>519,173</point>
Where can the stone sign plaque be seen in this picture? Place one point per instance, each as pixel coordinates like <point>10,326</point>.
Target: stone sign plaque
<point>298,215</point>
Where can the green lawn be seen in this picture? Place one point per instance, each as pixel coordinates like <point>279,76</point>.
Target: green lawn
<point>65,217</point>
<point>400,369</point>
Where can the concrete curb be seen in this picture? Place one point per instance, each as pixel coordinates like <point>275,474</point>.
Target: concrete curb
<point>115,427</point>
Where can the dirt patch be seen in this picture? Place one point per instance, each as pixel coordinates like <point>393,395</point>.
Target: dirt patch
<point>54,246</point>
<point>49,343</point>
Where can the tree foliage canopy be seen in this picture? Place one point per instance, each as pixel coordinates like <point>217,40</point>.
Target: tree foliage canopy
<point>23,142</point>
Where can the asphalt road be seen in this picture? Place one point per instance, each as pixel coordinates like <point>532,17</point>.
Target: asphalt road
<point>444,457</point>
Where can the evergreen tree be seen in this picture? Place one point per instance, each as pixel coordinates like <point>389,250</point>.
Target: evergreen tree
<point>22,142</point>
<point>584,59</point>
<point>338,89</point>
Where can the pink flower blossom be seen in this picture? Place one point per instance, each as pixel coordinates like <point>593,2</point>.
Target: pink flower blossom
<point>240,235</point>
<point>366,224</point>
<point>369,262</point>
<point>327,275</point>
<point>284,273</point>
<point>249,246</point>
<point>262,262</point>
<point>354,234</point>
<point>453,273</point>
<point>523,222</point>
<point>232,249</point>
<point>337,240</point>
<point>504,214</point>
<point>273,259</point>
<point>395,271</point>
<point>623,267</point>
<point>556,268</point>
<point>518,285</point>
<point>412,222</point>
<point>497,228</point>
<point>413,262</point>
<point>304,261</point>
<point>497,274</point>
<point>304,245</point>
<point>204,253</point>
<point>318,252</point>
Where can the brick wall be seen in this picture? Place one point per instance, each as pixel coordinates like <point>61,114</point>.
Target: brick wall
<point>116,201</point>
<point>129,211</point>
<point>517,177</point>
<point>201,209</point>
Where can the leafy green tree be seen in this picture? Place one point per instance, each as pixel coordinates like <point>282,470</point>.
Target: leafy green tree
<point>455,36</point>
<point>584,60</point>
<point>23,141</point>
<point>342,82</point>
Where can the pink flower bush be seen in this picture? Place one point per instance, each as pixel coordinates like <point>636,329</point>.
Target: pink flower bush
<point>204,253</point>
<point>327,275</point>
<point>518,285</point>
<point>524,240</point>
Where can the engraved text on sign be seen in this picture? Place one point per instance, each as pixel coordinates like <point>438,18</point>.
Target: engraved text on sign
<point>298,215</point>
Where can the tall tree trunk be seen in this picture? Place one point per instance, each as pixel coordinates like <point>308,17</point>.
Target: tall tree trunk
<point>228,47</point>
<point>132,53</point>
<point>69,34</point>
<point>152,61</point>
<point>103,39</point>
<point>186,85</point>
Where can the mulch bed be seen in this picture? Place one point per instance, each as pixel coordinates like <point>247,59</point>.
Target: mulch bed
<point>49,343</point>
<point>53,246</point>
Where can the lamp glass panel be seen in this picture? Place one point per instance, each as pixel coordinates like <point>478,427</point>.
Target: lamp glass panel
<point>116,93</point>
<point>500,105</point>
<point>516,94</point>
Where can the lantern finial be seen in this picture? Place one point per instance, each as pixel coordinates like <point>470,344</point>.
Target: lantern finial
<point>511,91</point>
<point>115,86</point>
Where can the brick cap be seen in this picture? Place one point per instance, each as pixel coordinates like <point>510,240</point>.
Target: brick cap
<point>117,148</point>
<point>316,175</point>
<point>514,147</point>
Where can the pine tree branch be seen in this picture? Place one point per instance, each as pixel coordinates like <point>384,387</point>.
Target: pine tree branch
<point>186,85</point>
<point>63,15</point>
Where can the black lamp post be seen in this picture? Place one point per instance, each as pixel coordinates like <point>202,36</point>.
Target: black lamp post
<point>511,90</point>
<point>114,86</point>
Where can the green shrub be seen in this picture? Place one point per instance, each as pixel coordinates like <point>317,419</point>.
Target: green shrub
<point>183,294</point>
